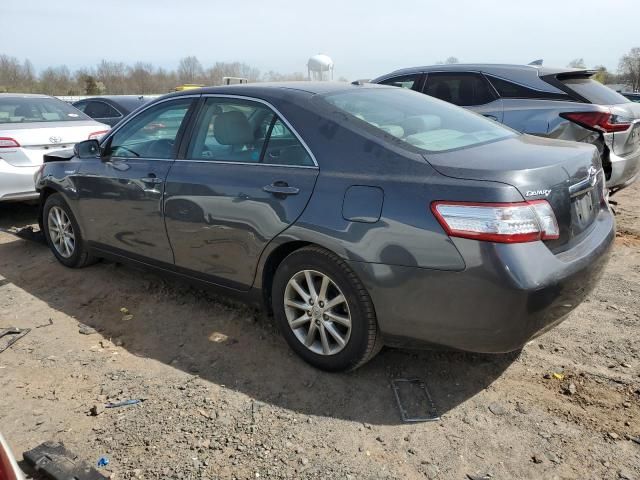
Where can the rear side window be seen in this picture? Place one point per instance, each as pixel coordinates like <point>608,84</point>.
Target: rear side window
<point>415,119</point>
<point>97,109</point>
<point>230,130</point>
<point>406,81</point>
<point>37,109</point>
<point>508,89</point>
<point>593,91</point>
<point>464,89</point>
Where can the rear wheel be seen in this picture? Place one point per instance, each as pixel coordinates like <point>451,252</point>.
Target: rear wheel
<point>324,311</point>
<point>63,233</point>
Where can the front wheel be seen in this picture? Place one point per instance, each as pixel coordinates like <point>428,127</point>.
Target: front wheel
<point>324,311</point>
<point>63,233</point>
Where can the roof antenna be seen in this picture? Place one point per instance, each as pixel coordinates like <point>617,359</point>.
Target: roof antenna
<point>536,62</point>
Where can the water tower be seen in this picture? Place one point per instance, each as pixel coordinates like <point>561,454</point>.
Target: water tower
<point>318,65</point>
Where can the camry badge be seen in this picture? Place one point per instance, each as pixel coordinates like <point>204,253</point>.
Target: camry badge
<point>55,139</point>
<point>537,193</point>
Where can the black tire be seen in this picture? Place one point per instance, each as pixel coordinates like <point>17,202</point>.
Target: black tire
<point>80,256</point>
<point>364,341</point>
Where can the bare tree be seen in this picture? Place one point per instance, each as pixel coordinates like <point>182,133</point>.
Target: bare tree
<point>451,60</point>
<point>114,76</point>
<point>577,63</point>
<point>57,81</point>
<point>190,70</point>
<point>629,68</point>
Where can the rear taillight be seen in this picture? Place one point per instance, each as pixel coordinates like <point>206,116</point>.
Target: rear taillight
<point>97,135</point>
<point>498,222</point>
<point>601,121</point>
<point>6,142</point>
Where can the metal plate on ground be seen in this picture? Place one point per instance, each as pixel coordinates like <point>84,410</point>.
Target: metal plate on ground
<point>414,401</point>
<point>55,462</point>
<point>9,336</point>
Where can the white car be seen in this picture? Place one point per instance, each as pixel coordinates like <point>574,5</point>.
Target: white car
<point>31,126</point>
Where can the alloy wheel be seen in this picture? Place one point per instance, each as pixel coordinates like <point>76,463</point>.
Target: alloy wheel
<point>317,312</point>
<point>61,232</point>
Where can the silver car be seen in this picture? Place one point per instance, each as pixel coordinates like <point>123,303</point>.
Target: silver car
<point>30,126</point>
<point>557,103</point>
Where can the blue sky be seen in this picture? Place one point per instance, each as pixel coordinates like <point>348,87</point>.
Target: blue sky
<point>364,38</point>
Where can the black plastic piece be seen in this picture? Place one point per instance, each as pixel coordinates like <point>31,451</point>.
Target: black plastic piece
<point>55,462</point>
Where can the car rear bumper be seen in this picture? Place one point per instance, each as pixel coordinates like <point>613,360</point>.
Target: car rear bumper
<point>16,183</point>
<point>624,169</point>
<point>507,295</point>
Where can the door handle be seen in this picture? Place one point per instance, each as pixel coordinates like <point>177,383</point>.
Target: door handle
<point>152,179</point>
<point>281,188</point>
<point>492,117</point>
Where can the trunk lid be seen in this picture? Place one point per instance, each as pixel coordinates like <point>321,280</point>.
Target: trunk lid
<point>566,174</point>
<point>37,140</point>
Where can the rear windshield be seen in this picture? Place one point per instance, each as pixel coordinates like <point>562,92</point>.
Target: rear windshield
<point>594,91</point>
<point>37,109</point>
<point>424,122</point>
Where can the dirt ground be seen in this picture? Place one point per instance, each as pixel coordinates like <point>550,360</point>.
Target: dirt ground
<point>225,398</point>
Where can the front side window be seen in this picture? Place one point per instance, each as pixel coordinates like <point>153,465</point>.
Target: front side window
<point>37,109</point>
<point>406,81</point>
<point>152,133</point>
<point>464,89</point>
<point>234,130</point>
<point>416,119</point>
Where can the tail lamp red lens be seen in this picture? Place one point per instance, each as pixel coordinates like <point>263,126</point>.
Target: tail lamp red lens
<point>498,222</point>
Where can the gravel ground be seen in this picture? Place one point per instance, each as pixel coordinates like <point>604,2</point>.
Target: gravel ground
<point>225,398</point>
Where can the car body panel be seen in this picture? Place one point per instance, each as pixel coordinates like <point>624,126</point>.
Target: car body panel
<point>119,105</point>
<point>219,218</point>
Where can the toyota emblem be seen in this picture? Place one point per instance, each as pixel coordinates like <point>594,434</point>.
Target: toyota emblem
<point>55,139</point>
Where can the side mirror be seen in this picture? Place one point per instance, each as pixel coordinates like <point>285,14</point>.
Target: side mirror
<point>87,149</point>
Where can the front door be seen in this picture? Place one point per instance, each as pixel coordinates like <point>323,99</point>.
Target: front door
<point>121,193</point>
<point>244,178</point>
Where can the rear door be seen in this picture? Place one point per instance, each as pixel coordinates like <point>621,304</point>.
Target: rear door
<point>121,193</point>
<point>243,177</point>
<point>465,89</point>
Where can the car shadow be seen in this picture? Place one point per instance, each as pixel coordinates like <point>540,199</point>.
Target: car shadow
<point>233,345</point>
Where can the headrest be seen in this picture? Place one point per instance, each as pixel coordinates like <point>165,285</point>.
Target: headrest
<point>421,123</point>
<point>232,128</point>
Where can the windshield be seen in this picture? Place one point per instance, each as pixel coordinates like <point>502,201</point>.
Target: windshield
<point>37,109</point>
<point>417,119</point>
<point>594,91</point>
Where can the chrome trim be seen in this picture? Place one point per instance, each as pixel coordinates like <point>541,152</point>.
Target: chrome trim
<point>587,184</point>
<point>282,117</point>
<point>257,164</point>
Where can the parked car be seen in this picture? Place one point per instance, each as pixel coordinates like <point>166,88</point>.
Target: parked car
<point>111,109</point>
<point>30,126</point>
<point>360,215</point>
<point>9,469</point>
<point>556,103</point>
<point>634,97</point>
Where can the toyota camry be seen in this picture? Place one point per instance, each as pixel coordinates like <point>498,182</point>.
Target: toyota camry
<point>359,215</point>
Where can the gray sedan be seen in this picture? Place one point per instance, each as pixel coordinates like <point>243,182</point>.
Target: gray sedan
<point>360,215</point>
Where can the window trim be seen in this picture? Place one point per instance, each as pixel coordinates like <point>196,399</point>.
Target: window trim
<point>188,136</point>
<point>491,88</point>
